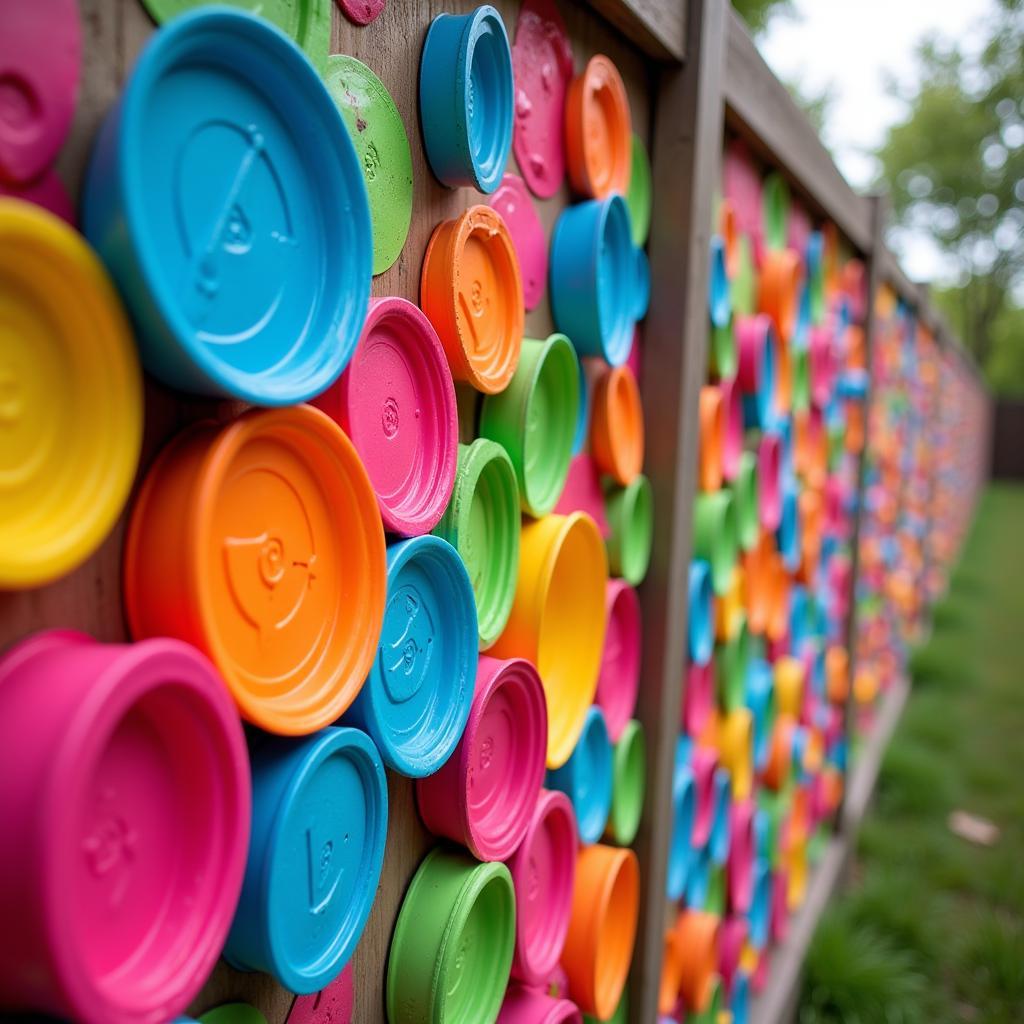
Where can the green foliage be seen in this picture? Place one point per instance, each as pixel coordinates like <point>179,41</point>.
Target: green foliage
<point>934,928</point>
<point>757,13</point>
<point>955,169</point>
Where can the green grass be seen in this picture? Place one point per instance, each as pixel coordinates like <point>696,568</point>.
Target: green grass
<point>933,928</point>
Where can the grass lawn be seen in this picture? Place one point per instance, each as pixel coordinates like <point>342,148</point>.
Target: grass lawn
<point>931,927</point>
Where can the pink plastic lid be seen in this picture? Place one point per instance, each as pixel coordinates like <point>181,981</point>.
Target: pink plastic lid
<point>739,866</point>
<point>698,697</point>
<point>48,192</point>
<point>396,401</point>
<point>741,185</point>
<point>751,338</point>
<point>513,202</point>
<point>126,826</point>
<point>732,420</point>
<point>731,938</point>
<point>769,493</point>
<point>485,794</point>
<point>798,227</point>
<point>704,761</point>
<point>40,60</point>
<point>542,67</point>
<point>619,681</point>
<point>362,12</point>
<point>333,1005</point>
<point>635,358</point>
<point>583,492</point>
<point>543,871</point>
<point>524,1005</point>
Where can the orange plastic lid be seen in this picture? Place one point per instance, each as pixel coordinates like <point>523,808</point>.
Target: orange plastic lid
<point>837,674</point>
<point>598,130</point>
<point>697,932</point>
<point>730,235</point>
<point>778,601</point>
<point>472,292</point>
<point>617,425</point>
<point>260,542</point>
<point>671,972</point>
<point>712,429</point>
<point>778,290</point>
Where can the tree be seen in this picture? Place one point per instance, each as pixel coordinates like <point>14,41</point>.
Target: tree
<point>955,169</point>
<point>757,13</point>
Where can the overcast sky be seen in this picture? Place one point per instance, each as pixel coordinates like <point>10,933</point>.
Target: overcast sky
<point>854,46</point>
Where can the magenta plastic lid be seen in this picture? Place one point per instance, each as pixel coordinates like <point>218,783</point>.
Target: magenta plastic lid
<point>542,68</point>
<point>698,697</point>
<point>333,1005</point>
<point>619,681</point>
<point>513,202</point>
<point>125,827</point>
<point>583,493</point>
<point>485,794</point>
<point>396,401</point>
<point>40,60</point>
<point>362,12</point>
<point>769,491</point>
<point>543,871</point>
<point>704,763</point>
<point>524,1005</point>
<point>48,192</point>
<point>740,862</point>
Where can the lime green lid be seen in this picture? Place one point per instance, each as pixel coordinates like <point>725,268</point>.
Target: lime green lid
<point>630,514</point>
<point>745,498</point>
<point>638,195</point>
<point>714,536</point>
<point>775,208</point>
<point>629,780</point>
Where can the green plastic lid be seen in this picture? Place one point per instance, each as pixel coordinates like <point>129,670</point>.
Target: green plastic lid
<point>745,501</point>
<point>743,286</point>
<point>638,195</point>
<point>801,381</point>
<point>482,524</point>
<point>722,357</point>
<point>451,952</point>
<point>378,134</point>
<point>629,782</point>
<point>732,657</point>
<point>534,420</point>
<point>308,22</point>
<point>714,536</point>
<point>775,208</point>
<point>630,514</point>
<point>233,1013</point>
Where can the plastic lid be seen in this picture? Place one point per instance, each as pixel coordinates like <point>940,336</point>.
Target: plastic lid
<point>775,207</point>
<point>40,63</point>
<point>233,1013</point>
<point>701,633</point>
<point>534,419</point>
<point>712,430</point>
<point>681,843</point>
<point>745,499</point>
<point>542,66</point>
<point>593,278</point>
<point>697,933</point>
<point>362,12</point>
<point>630,512</point>
<point>599,948</point>
<point>598,130</point>
<point>722,355</point>
<point>485,794</point>
<point>698,698</point>
<point>223,194</point>
<point>378,134</point>
<point>619,681</point>
<point>482,524</point>
<point>617,425</point>
<point>320,811</point>
<point>416,699</point>
<point>396,401</point>
<point>629,767</point>
<point>452,946</point>
<point>558,620</point>
<point>543,870</point>
<point>587,777</point>
<point>719,298</point>
<point>265,528</point>
<point>332,1005</point>
<point>732,658</point>
<point>513,202</point>
<point>70,399</point>
<point>638,196</point>
<point>714,536</point>
<point>466,98</point>
<point>524,1005</point>
<point>472,293</point>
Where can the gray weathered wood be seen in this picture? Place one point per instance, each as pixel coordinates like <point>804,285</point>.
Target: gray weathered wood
<point>658,27</point>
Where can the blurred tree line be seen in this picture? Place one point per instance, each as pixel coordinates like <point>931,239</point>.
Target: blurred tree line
<point>954,167</point>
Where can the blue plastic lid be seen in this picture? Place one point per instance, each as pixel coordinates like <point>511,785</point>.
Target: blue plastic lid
<point>684,809</point>
<point>586,778</point>
<point>225,197</point>
<point>701,627</point>
<point>592,273</point>
<point>698,880</point>
<point>642,293</point>
<point>721,831</point>
<point>719,294</point>
<point>320,812</point>
<point>467,98</point>
<point>789,528</point>
<point>739,1001</point>
<point>416,699</point>
<point>759,409</point>
<point>758,698</point>
<point>583,415</point>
